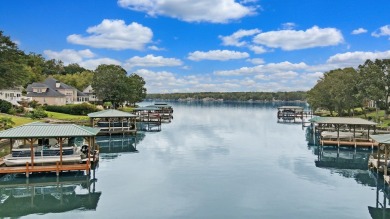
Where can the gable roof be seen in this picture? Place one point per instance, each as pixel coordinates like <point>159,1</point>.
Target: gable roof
<point>111,113</point>
<point>41,130</point>
<point>52,90</point>
<point>51,82</point>
<point>49,92</point>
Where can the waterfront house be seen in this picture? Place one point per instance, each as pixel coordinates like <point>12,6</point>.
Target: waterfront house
<point>13,95</point>
<point>53,92</point>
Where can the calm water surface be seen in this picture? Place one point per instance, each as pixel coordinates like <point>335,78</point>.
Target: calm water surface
<point>213,161</point>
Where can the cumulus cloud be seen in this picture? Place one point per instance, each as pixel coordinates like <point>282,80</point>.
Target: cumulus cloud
<point>299,39</point>
<point>256,61</point>
<point>114,34</point>
<point>68,56</point>
<point>257,49</point>
<point>155,48</point>
<point>359,31</point>
<point>353,59</point>
<point>288,26</point>
<point>234,39</point>
<point>219,55</point>
<point>92,64</point>
<point>214,11</point>
<point>261,69</point>
<point>383,31</point>
<point>152,61</point>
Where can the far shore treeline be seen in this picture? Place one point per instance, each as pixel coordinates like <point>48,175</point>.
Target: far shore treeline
<point>233,96</point>
<point>111,83</point>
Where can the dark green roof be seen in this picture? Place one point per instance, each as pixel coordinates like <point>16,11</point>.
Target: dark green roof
<point>41,130</point>
<point>111,113</point>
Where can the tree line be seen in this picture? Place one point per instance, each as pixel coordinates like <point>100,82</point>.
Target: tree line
<point>342,91</point>
<point>234,96</point>
<point>110,82</point>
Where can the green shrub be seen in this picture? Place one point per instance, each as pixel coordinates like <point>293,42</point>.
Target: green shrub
<point>38,113</point>
<point>5,106</point>
<point>34,104</point>
<point>19,109</point>
<point>73,109</point>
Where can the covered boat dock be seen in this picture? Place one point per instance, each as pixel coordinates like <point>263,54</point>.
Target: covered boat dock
<point>344,131</point>
<point>380,160</point>
<point>113,122</point>
<point>31,133</point>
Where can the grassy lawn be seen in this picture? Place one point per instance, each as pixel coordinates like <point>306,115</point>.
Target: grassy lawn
<point>67,117</point>
<point>19,120</point>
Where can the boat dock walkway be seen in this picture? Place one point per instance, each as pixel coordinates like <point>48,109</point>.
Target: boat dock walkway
<point>46,168</point>
<point>349,143</point>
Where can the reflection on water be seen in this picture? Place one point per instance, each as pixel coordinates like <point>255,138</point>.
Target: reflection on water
<point>46,194</point>
<point>119,143</point>
<point>216,160</point>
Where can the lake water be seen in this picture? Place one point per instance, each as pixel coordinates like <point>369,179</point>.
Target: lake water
<point>213,160</point>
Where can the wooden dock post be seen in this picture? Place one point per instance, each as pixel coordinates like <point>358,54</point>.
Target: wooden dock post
<point>27,172</point>
<point>57,169</point>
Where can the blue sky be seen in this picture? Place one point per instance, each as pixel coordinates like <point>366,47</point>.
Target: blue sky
<point>205,45</point>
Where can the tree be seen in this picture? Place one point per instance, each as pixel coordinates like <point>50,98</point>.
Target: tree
<point>74,68</point>
<point>375,82</point>
<point>13,70</point>
<point>137,91</point>
<point>110,83</point>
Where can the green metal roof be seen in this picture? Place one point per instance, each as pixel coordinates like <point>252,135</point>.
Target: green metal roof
<point>385,139</point>
<point>291,107</point>
<point>41,130</point>
<point>341,121</point>
<point>160,105</point>
<point>111,113</point>
<point>146,108</point>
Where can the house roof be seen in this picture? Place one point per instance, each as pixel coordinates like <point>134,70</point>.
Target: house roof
<point>341,121</point>
<point>51,82</point>
<point>49,93</point>
<point>111,113</point>
<point>41,130</point>
<point>385,138</point>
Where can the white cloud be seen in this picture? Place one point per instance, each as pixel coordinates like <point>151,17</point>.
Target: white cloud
<point>92,64</point>
<point>214,11</point>
<point>353,59</point>
<point>256,61</point>
<point>288,26</point>
<point>234,39</point>
<point>152,61</point>
<point>114,34</point>
<point>293,39</point>
<point>383,31</point>
<point>220,55</point>
<point>257,49</point>
<point>262,69</point>
<point>359,31</point>
<point>155,48</point>
<point>68,56</point>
